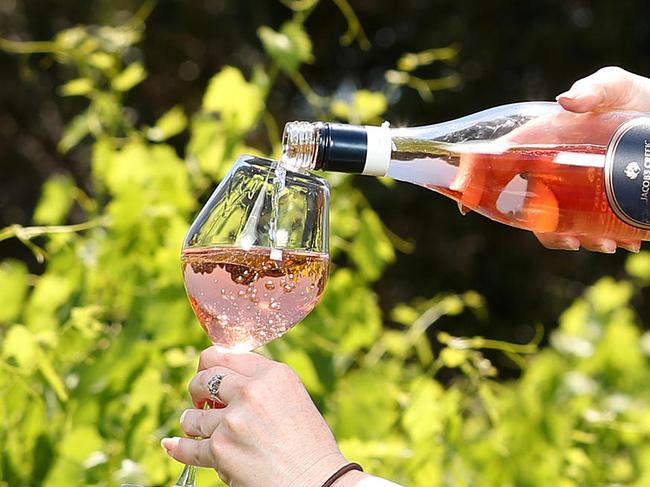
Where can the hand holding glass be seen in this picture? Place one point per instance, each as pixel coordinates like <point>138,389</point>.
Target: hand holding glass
<point>255,260</point>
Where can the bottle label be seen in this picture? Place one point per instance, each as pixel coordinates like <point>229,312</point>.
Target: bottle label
<point>627,173</point>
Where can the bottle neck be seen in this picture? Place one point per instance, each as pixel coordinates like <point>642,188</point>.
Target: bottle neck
<point>337,147</point>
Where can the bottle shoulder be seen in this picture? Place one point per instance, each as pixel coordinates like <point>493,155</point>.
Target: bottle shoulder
<point>495,118</point>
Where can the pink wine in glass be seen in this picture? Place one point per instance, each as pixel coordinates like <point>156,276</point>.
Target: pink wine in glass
<point>244,298</point>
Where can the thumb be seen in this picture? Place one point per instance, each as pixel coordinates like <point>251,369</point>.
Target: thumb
<point>608,88</point>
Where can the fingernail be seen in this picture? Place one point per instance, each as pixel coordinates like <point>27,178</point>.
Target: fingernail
<point>585,98</point>
<point>606,247</point>
<point>569,243</point>
<point>567,95</point>
<point>182,416</point>
<point>169,443</point>
<point>631,246</point>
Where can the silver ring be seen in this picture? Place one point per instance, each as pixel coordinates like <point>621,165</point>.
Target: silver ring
<point>213,386</point>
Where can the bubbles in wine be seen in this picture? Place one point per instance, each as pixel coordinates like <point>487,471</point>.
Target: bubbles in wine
<point>245,298</point>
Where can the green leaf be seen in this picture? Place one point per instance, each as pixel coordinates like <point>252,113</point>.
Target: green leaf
<point>366,107</point>
<point>452,357</point>
<point>56,199</point>
<point>396,343</point>
<point>84,319</point>
<point>424,402</point>
<point>102,60</point>
<point>352,315</point>
<point>80,443</point>
<point>175,357</point>
<point>300,362</point>
<point>77,87</point>
<point>171,123</point>
<point>371,249</point>
<point>369,394</point>
<point>344,213</point>
<point>638,265</point>
<point>102,159</point>
<point>404,314</point>
<point>130,167</point>
<point>225,95</point>
<point>423,350</point>
<point>384,453</point>
<point>608,294</point>
<point>207,146</point>
<point>20,344</point>
<point>51,377</point>
<point>131,76</point>
<point>14,282</point>
<point>74,132</point>
<point>146,392</point>
<point>50,293</point>
<point>289,48</point>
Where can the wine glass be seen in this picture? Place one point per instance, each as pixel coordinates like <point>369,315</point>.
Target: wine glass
<point>255,260</point>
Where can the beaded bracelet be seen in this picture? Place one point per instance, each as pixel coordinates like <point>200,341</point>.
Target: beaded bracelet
<point>341,472</point>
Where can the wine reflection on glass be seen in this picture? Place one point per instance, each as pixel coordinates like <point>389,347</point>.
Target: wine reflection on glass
<point>255,260</point>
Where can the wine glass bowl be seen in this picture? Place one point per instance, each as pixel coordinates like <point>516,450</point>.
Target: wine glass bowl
<point>255,260</point>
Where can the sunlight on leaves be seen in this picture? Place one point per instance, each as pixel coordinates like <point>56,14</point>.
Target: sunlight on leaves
<point>289,48</point>
<point>133,74</point>
<point>76,87</point>
<point>171,123</point>
<point>14,282</point>
<point>56,199</point>
<point>224,94</point>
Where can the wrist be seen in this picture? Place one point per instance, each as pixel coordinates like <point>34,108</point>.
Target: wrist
<point>319,471</point>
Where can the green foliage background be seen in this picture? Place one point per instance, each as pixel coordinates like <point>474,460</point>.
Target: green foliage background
<point>96,349</point>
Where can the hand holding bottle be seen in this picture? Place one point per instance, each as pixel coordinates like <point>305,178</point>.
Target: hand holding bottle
<point>575,173</point>
<point>609,88</point>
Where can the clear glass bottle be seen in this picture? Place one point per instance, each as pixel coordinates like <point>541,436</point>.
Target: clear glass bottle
<point>530,165</point>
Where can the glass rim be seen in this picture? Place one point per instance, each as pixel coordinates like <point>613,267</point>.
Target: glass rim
<point>265,163</point>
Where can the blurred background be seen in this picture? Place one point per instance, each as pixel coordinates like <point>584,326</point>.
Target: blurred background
<point>467,56</point>
<point>507,52</point>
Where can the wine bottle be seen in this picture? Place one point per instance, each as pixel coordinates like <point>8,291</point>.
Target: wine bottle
<point>530,165</point>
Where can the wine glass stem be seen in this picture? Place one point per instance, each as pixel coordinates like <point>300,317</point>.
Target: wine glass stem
<point>186,478</point>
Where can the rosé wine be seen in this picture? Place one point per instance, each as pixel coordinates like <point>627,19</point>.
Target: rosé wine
<point>244,298</point>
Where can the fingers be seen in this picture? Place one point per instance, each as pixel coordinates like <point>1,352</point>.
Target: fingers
<point>630,245</point>
<point>603,245</point>
<point>558,242</point>
<point>569,242</point>
<point>190,452</point>
<point>230,384</point>
<point>201,422</point>
<point>246,363</point>
<point>610,87</point>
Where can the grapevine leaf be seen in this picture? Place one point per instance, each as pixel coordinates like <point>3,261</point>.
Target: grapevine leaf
<point>224,95</point>
<point>132,75</point>
<point>20,344</point>
<point>55,202</point>
<point>369,394</point>
<point>371,249</point>
<point>74,132</point>
<point>299,361</point>
<point>14,282</point>
<point>77,87</point>
<point>171,123</point>
<point>638,265</point>
<point>49,373</point>
<point>289,48</point>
